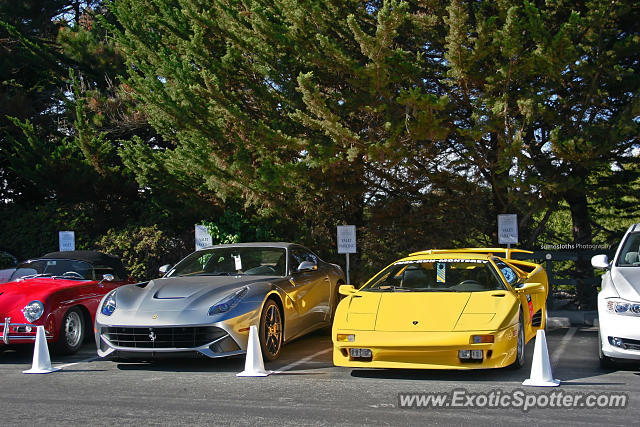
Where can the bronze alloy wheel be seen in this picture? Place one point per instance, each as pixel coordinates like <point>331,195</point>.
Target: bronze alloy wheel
<point>271,330</point>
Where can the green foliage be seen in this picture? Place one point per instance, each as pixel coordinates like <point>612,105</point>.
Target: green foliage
<point>33,231</point>
<point>233,227</point>
<point>142,249</point>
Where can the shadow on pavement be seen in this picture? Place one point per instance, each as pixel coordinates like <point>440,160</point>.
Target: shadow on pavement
<point>184,365</point>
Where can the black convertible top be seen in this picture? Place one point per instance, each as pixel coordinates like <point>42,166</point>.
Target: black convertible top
<point>93,257</point>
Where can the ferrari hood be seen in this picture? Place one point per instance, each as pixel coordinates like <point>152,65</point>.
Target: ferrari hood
<point>174,294</point>
<point>420,311</point>
<point>626,280</point>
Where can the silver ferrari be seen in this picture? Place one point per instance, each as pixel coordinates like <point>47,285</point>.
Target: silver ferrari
<point>205,304</point>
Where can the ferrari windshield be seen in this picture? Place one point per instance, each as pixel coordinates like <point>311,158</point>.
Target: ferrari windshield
<point>437,275</point>
<point>59,268</point>
<point>629,255</point>
<point>257,261</point>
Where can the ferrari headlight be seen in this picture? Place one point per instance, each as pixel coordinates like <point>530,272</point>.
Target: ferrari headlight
<point>228,302</point>
<point>33,311</point>
<point>623,307</point>
<point>109,304</point>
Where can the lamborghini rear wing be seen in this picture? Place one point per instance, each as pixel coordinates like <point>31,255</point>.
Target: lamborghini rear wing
<point>500,252</point>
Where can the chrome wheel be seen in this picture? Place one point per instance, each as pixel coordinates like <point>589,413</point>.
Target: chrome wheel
<point>72,329</point>
<point>271,330</point>
<point>72,332</point>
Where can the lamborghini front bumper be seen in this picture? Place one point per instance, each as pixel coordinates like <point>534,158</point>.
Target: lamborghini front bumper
<point>424,350</point>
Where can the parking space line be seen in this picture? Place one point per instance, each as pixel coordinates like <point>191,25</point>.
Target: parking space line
<point>563,343</point>
<point>66,365</point>
<point>303,360</point>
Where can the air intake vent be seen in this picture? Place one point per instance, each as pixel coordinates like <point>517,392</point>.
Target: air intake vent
<point>536,320</point>
<point>163,337</point>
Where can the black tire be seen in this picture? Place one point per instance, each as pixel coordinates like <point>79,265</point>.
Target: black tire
<point>72,332</point>
<point>605,361</point>
<point>334,306</point>
<point>271,331</point>
<point>520,351</point>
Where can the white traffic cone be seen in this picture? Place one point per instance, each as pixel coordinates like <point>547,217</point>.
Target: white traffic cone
<point>541,375</point>
<point>41,361</point>
<point>253,365</point>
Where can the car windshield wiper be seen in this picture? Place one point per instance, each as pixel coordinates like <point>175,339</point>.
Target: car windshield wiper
<point>391,288</point>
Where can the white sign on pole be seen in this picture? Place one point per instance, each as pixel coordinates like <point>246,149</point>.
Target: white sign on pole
<point>203,238</point>
<point>507,229</point>
<point>346,239</point>
<point>347,243</point>
<point>67,241</point>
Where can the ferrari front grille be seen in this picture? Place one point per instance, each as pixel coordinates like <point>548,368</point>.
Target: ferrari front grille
<point>162,337</point>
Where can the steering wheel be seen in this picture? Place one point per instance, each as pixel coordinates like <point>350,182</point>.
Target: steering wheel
<point>261,269</point>
<point>73,274</point>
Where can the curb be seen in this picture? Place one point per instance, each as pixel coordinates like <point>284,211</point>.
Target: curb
<point>567,318</point>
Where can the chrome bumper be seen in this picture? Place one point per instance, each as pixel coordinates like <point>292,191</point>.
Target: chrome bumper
<point>19,328</point>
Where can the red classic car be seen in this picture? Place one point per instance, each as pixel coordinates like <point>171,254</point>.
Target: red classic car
<point>61,291</point>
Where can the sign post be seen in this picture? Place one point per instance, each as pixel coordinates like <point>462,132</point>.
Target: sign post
<point>67,241</point>
<point>203,238</point>
<point>347,243</point>
<point>508,229</point>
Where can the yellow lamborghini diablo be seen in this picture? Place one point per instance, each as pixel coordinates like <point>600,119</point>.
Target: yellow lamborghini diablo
<point>442,309</point>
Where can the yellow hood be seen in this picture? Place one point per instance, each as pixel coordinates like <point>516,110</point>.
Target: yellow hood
<point>430,311</point>
<point>420,311</point>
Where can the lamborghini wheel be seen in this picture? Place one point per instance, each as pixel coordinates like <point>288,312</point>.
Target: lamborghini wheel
<point>72,332</point>
<point>271,330</point>
<point>519,362</point>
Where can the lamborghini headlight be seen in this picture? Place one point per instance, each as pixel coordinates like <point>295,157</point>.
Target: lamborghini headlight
<point>33,311</point>
<point>228,302</point>
<point>623,307</point>
<point>109,304</point>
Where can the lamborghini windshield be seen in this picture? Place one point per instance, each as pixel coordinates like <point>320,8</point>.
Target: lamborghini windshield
<point>256,261</point>
<point>439,275</point>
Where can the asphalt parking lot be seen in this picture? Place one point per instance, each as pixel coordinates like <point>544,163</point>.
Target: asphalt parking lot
<point>305,390</point>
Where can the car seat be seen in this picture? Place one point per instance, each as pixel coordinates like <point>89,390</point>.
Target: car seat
<point>631,258</point>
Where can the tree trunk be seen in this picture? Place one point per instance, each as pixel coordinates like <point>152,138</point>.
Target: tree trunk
<point>582,235</point>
